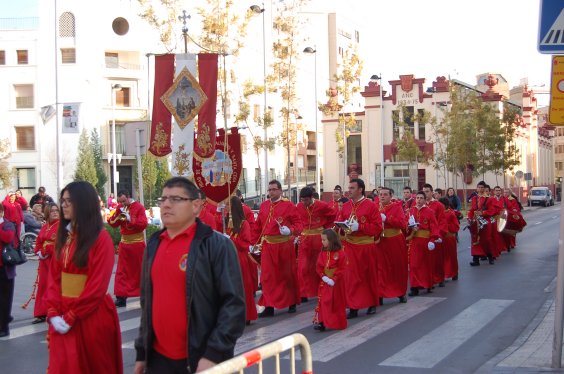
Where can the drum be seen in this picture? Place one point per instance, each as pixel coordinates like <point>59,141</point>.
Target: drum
<point>502,220</point>
<point>514,224</point>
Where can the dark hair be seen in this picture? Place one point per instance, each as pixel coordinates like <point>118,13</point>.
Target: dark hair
<point>123,192</point>
<point>277,183</point>
<point>41,189</point>
<point>47,210</point>
<point>427,185</point>
<point>420,192</point>
<point>86,224</point>
<point>488,187</point>
<point>201,195</point>
<point>333,238</point>
<point>408,188</point>
<point>237,215</point>
<point>343,200</point>
<point>306,192</point>
<point>387,189</point>
<point>188,186</point>
<point>453,191</point>
<point>360,183</point>
<point>238,193</point>
<point>446,202</point>
<point>316,195</point>
<point>439,191</point>
<point>337,187</point>
<point>481,183</point>
<point>1,208</point>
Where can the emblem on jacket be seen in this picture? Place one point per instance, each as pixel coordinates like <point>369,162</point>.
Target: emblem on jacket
<point>183,262</point>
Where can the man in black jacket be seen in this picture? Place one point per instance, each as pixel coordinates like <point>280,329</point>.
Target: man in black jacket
<point>192,297</point>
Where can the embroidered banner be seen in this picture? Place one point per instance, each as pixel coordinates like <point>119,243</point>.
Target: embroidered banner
<point>204,144</point>
<point>161,128</point>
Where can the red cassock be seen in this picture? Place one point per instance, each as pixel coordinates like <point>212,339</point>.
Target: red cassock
<point>13,213</point>
<point>361,277</point>
<point>421,261</point>
<point>449,244</point>
<point>250,217</point>
<point>79,295</point>
<point>131,247</point>
<point>210,217</point>
<point>314,219</point>
<point>438,253</point>
<point>481,239</point>
<point>279,276</point>
<point>242,241</point>
<point>392,252</point>
<point>45,243</point>
<point>497,238</point>
<point>332,302</point>
<point>514,215</point>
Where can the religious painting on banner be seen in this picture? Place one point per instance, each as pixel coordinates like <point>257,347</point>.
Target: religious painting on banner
<point>218,176</point>
<point>184,98</point>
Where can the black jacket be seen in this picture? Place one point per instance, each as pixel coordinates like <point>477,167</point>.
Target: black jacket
<point>215,298</point>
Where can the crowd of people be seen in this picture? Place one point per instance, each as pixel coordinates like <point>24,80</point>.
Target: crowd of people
<point>197,293</point>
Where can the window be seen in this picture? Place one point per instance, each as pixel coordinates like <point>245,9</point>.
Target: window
<point>112,60</point>
<point>26,181</point>
<point>66,25</point>
<point>395,129</point>
<point>68,55</point>
<point>354,152</point>
<point>25,138</point>
<point>24,96</point>
<point>22,56</point>
<point>243,182</point>
<point>559,166</point>
<point>244,145</point>
<point>421,125</point>
<point>408,112</point>
<point>2,57</point>
<point>120,139</point>
<point>122,97</point>
<point>257,179</point>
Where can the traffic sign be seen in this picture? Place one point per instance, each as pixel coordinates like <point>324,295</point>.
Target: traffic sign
<point>556,111</point>
<point>551,27</point>
<point>519,174</point>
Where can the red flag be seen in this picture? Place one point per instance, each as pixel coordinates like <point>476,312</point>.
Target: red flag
<point>204,144</point>
<point>160,142</point>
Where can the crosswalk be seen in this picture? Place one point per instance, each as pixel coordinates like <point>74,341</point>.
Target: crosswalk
<point>425,352</point>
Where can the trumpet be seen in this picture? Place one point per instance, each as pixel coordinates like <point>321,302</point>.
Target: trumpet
<point>121,216</point>
<point>347,229</point>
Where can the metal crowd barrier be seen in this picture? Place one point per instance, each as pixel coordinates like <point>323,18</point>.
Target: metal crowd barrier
<point>256,357</point>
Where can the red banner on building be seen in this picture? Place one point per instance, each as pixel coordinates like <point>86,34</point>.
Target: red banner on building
<point>218,176</point>
<point>204,146</point>
<point>160,142</point>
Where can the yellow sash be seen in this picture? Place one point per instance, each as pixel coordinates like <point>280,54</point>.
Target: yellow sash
<point>275,239</point>
<point>422,234</point>
<point>72,285</point>
<point>316,231</point>
<point>133,238</point>
<point>388,233</point>
<point>360,239</point>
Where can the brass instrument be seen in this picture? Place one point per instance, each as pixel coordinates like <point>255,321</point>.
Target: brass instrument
<point>346,225</point>
<point>121,216</point>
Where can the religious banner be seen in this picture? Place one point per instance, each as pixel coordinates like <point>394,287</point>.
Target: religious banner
<point>218,176</point>
<point>205,135</point>
<point>70,118</point>
<point>161,127</point>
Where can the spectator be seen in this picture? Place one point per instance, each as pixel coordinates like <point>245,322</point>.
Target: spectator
<point>13,212</point>
<point>453,199</point>
<point>33,222</point>
<point>7,275</point>
<point>40,198</point>
<point>21,200</point>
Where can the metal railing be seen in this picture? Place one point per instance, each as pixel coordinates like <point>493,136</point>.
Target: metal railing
<point>258,355</point>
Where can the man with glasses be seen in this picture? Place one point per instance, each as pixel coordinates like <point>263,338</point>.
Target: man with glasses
<point>131,219</point>
<point>275,226</point>
<point>192,297</point>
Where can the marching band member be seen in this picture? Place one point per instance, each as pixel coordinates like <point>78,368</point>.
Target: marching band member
<point>499,202</point>
<point>449,240</point>
<point>408,199</point>
<point>479,215</point>
<point>438,253</point>
<point>337,196</point>
<point>514,214</point>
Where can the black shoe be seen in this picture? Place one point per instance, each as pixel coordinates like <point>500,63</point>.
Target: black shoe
<point>491,261</point>
<point>380,301</point>
<point>319,327</point>
<point>429,290</point>
<point>292,309</point>
<point>304,300</point>
<point>267,312</point>
<point>455,278</point>
<point>248,323</point>
<point>402,299</point>
<point>120,301</point>
<point>4,333</point>
<point>442,284</point>
<point>38,320</point>
<point>353,313</point>
<point>508,250</point>
<point>371,310</point>
<point>475,263</point>
<point>414,292</point>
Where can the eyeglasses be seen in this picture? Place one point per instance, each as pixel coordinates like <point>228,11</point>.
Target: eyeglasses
<point>173,199</point>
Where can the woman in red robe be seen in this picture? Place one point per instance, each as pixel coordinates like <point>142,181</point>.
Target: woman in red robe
<point>84,333</point>
<point>332,304</point>
<point>239,231</point>
<point>44,248</point>
<point>449,240</point>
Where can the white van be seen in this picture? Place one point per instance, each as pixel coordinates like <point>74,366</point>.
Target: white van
<point>541,196</point>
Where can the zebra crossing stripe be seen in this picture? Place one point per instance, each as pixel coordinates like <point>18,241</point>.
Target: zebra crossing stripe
<point>442,341</point>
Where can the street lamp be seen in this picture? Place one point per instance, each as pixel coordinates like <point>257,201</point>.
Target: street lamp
<point>310,50</point>
<point>375,78</point>
<point>260,10</point>
<point>115,88</point>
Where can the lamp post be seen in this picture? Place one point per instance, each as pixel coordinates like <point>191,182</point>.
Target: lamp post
<point>260,10</point>
<point>375,78</point>
<point>313,51</point>
<point>115,88</point>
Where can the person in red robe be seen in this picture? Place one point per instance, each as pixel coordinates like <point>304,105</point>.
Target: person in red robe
<point>276,224</point>
<point>408,199</point>
<point>7,275</point>
<point>481,209</point>
<point>21,200</point>
<point>208,214</point>
<point>423,231</point>
<point>239,231</point>
<point>499,203</point>
<point>392,249</point>
<point>44,248</point>
<point>514,215</point>
<point>131,219</point>
<point>364,224</point>
<point>449,240</point>
<point>315,215</point>
<point>335,203</point>
<point>84,333</point>
<point>13,212</point>
<point>250,218</point>
<point>437,254</point>
<point>331,309</point>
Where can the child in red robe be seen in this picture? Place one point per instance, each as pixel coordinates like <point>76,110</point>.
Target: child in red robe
<point>331,263</point>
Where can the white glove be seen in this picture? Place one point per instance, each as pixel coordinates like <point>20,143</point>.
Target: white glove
<point>127,217</point>
<point>250,249</point>
<point>219,207</point>
<point>328,280</point>
<point>431,246</point>
<point>411,221</point>
<point>226,235</point>
<point>297,240</point>
<point>383,217</point>
<point>439,241</point>
<point>284,230</point>
<point>59,325</point>
<point>354,226</point>
<point>40,255</point>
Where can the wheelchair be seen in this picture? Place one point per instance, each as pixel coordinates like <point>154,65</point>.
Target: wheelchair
<point>27,242</point>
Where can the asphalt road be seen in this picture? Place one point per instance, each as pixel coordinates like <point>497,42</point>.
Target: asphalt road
<point>456,329</point>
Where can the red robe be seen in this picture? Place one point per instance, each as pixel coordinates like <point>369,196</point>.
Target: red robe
<point>332,303</point>
<point>209,216</point>
<point>279,276</point>
<point>450,245</point>
<point>250,218</point>
<point>361,277</point>
<point>242,241</point>
<point>13,213</point>
<point>314,219</point>
<point>130,249</point>
<point>482,242</point>
<point>438,253</point>
<point>498,242</point>
<point>79,295</point>
<point>392,252</point>
<point>421,261</point>
<point>46,244</point>
<point>514,210</point>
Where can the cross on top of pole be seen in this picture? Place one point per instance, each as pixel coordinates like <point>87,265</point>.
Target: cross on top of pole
<point>183,18</point>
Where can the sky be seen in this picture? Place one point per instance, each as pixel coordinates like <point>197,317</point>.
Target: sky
<point>430,38</point>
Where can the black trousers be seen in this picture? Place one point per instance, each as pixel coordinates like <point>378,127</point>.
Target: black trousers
<point>6,298</point>
<point>159,364</point>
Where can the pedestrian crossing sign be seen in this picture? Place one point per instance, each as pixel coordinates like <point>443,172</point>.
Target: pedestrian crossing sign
<point>551,27</point>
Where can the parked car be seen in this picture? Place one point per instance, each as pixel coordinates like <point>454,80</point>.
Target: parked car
<point>541,196</point>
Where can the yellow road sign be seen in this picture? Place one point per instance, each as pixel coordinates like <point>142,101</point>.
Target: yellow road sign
<point>556,112</point>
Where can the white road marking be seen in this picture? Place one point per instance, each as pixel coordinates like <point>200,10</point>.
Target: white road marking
<point>538,223</point>
<point>442,341</point>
